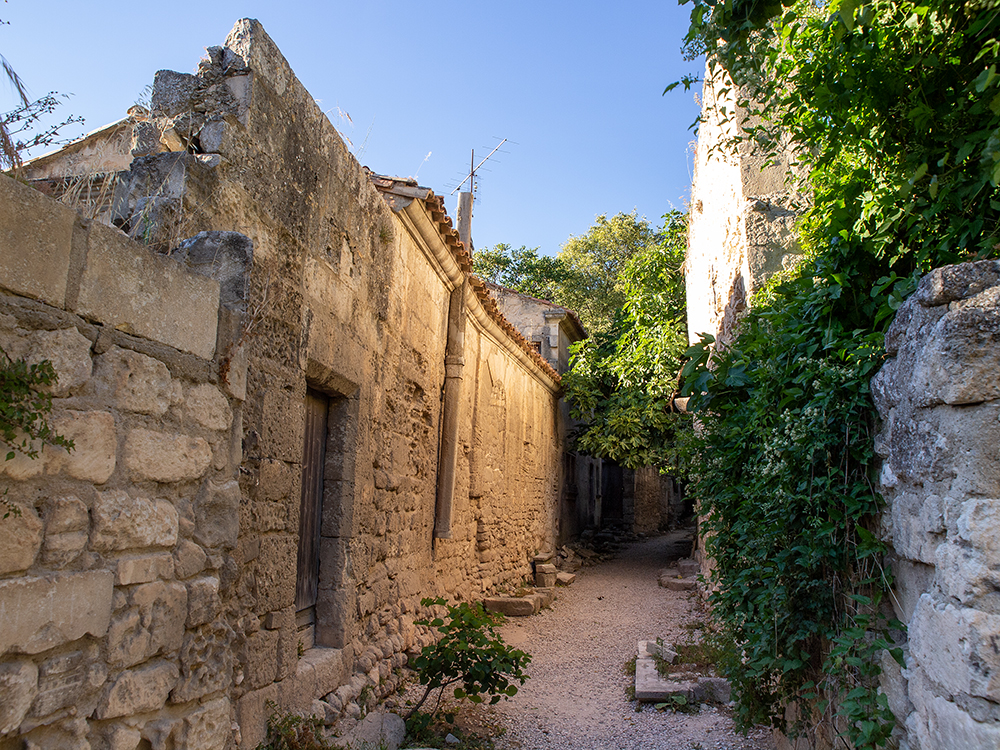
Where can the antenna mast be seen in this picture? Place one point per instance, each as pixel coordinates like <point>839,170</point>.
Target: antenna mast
<point>465,198</point>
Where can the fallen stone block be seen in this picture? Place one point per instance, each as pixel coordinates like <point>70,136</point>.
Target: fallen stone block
<point>678,584</point>
<point>654,649</point>
<point>565,579</point>
<point>548,595</point>
<point>651,687</point>
<point>513,606</point>
<point>688,567</point>
<point>715,689</point>
<point>542,557</point>
<point>545,576</point>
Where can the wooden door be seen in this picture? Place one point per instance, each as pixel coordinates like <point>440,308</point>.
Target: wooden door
<point>311,508</point>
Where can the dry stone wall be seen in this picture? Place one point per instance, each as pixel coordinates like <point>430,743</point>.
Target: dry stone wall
<point>115,570</point>
<point>939,398</point>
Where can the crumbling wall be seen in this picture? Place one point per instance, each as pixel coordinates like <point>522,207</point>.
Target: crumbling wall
<point>116,571</point>
<point>349,299</point>
<point>938,395</point>
<point>742,214</point>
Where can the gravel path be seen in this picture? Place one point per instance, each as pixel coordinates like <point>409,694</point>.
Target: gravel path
<point>576,697</point>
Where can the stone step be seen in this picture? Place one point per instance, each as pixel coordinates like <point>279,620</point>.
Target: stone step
<point>652,687</point>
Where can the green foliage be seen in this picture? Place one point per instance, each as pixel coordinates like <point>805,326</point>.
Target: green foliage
<point>523,270</point>
<point>788,508</point>
<point>622,389</point>
<point>892,108</point>
<point>470,653</point>
<point>24,410</point>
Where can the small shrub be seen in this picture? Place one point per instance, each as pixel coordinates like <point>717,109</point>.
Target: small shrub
<point>469,652</point>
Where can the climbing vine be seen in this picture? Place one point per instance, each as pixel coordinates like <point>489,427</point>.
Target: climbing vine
<point>892,108</point>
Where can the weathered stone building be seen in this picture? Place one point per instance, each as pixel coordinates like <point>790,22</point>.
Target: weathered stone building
<point>742,215</point>
<point>290,427</point>
<point>938,397</point>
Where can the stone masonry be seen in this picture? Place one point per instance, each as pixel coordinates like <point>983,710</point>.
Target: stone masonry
<point>148,590</point>
<point>114,573</point>
<point>939,399</point>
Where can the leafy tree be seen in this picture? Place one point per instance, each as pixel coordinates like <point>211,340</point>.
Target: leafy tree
<point>523,270</point>
<point>622,390</point>
<point>893,107</point>
<point>597,260</point>
<point>470,653</point>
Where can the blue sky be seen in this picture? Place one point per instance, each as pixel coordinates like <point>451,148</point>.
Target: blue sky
<point>575,87</point>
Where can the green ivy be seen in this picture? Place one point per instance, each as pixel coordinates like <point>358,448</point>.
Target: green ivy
<point>892,110</point>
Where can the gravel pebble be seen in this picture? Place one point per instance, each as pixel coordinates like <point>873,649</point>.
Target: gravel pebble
<point>576,697</point>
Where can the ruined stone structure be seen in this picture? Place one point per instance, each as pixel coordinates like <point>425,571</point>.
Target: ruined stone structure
<point>266,480</point>
<point>938,396</point>
<point>742,215</point>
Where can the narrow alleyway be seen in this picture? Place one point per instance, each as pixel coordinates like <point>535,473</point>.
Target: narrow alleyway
<point>576,697</point>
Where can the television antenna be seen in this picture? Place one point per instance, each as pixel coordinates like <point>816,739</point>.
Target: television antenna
<point>471,177</point>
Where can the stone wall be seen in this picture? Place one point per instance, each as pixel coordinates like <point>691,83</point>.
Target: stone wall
<point>115,571</point>
<point>939,399</point>
<point>742,215</point>
<point>349,292</point>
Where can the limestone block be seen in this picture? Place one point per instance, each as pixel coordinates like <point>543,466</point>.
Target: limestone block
<point>512,606</point>
<point>138,383</point>
<point>955,647</point>
<point>20,539</point>
<point>65,515</point>
<point>18,687</point>
<point>207,406</point>
<point>125,286</point>
<point>217,514</point>
<point>125,522</point>
<point>144,568</point>
<point>203,600</point>
<point>173,93</point>
<point>206,662</point>
<point>979,524</point>
<point>93,457</point>
<point>963,573</point>
<point>329,668</point>
<point>189,559</point>
<point>138,690</point>
<point>207,728</point>
<point>565,579</point>
<point>62,549</point>
<point>37,614</point>
<point>122,737</point>
<point>378,729</point>
<point>261,658</point>
<point>153,624</point>
<point>893,684</point>
<point>959,362</point>
<point>36,235</point>
<point>252,710</point>
<point>275,573</point>
<point>163,611</point>
<point>69,352</point>
<point>956,282</point>
<point>166,457</point>
<point>69,679</point>
<point>917,522</point>
<point>948,726</point>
